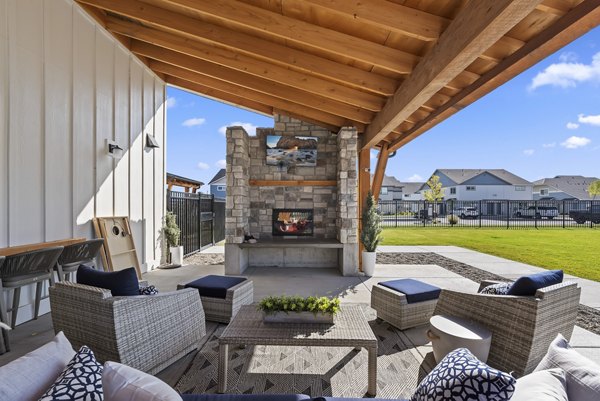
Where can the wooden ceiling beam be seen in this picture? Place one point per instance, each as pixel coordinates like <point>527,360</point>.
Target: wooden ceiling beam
<point>385,14</point>
<point>247,64</point>
<point>197,83</point>
<point>250,45</point>
<point>474,30</point>
<point>221,96</point>
<point>577,22</point>
<point>304,33</point>
<point>251,82</point>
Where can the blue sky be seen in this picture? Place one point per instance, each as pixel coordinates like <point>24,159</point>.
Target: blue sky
<point>543,123</point>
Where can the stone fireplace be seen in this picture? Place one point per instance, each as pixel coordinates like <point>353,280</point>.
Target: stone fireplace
<point>302,215</point>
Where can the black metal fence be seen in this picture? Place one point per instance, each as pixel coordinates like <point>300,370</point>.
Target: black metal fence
<point>491,213</point>
<point>200,217</point>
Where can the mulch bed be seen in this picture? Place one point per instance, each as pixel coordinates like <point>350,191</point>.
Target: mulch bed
<point>587,317</point>
<point>205,259</point>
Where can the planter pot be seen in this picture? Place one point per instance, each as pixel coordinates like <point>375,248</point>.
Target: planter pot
<point>298,317</point>
<point>176,255</point>
<point>368,262</point>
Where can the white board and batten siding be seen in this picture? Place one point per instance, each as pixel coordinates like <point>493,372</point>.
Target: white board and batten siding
<point>66,86</point>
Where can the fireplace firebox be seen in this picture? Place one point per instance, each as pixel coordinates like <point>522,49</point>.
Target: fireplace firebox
<point>293,222</point>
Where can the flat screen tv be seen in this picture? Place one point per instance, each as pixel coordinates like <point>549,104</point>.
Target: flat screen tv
<point>291,151</point>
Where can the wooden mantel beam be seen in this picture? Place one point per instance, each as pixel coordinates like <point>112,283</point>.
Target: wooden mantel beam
<point>478,26</point>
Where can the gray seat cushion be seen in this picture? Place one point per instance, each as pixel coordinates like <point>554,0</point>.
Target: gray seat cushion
<point>215,286</point>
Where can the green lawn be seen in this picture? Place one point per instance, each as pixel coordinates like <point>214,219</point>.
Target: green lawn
<point>576,251</point>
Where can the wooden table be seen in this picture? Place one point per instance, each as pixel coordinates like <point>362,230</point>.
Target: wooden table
<point>350,329</point>
<point>13,250</point>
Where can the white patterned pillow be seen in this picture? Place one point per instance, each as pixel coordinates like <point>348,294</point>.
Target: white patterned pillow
<point>80,380</point>
<point>460,376</point>
<point>497,289</point>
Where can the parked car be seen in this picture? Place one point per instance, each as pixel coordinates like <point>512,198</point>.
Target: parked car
<point>537,212</point>
<point>582,215</point>
<point>466,212</point>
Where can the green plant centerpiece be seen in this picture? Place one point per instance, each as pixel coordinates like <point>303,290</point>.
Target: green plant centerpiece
<point>172,233</point>
<point>296,309</point>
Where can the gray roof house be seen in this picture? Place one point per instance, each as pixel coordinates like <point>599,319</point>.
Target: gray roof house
<point>218,185</point>
<point>393,189</point>
<point>482,184</point>
<point>569,187</point>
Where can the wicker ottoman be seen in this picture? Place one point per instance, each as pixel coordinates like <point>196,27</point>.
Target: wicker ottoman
<point>222,296</point>
<point>404,303</point>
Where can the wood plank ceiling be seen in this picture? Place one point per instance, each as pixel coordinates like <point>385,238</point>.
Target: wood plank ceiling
<point>392,68</point>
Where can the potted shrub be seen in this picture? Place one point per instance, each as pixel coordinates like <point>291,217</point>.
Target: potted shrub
<point>453,219</point>
<point>172,233</point>
<point>370,235</point>
<point>296,309</point>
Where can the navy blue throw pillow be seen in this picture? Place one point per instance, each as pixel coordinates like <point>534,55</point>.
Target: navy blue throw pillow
<point>120,283</point>
<point>528,285</point>
<point>460,376</point>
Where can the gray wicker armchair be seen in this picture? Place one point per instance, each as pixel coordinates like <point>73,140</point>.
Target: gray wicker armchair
<point>146,332</point>
<point>522,327</point>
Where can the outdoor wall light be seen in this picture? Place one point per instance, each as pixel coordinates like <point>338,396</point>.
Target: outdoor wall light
<point>114,150</point>
<point>151,141</point>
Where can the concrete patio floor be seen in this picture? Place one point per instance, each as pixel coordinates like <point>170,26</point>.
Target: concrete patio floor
<point>314,281</point>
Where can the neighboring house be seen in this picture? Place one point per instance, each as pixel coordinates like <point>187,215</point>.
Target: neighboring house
<point>480,184</point>
<point>218,185</point>
<point>391,189</point>
<point>563,187</point>
<point>411,191</point>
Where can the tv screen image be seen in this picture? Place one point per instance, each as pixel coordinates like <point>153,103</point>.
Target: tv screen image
<point>291,151</point>
<point>293,222</point>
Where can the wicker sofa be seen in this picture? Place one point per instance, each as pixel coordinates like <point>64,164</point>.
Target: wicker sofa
<point>147,332</point>
<point>522,327</point>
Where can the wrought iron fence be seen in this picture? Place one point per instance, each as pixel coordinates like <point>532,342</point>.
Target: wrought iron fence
<point>200,217</point>
<point>506,214</point>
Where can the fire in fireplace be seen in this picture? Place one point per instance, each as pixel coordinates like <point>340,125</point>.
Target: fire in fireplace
<point>293,222</point>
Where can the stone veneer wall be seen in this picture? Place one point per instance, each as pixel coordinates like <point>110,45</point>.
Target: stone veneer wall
<point>237,203</point>
<point>250,208</point>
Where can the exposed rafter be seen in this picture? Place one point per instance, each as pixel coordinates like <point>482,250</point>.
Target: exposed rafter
<point>474,30</point>
<point>304,33</point>
<point>571,26</point>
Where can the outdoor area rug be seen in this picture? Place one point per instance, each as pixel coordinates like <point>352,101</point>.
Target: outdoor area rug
<point>315,371</point>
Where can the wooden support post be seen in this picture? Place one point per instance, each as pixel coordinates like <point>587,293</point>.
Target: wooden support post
<point>364,184</point>
<point>380,171</point>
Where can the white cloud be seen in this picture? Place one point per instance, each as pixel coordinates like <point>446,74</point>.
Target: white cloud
<point>575,142</point>
<point>193,122</point>
<point>528,152</point>
<point>203,166</point>
<point>567,73</point>
<point>414,178</point>
<point>549,145</point>
<point>568,57</point>
<point>591,120</point>
<point>572,125</point>
<point>171,102</point>
<point>249,127</point>
<point>221,164</point>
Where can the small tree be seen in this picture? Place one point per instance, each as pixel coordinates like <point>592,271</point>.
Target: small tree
<point>371,231</point>
<point>435,192</point>
<point>171,229</point>
<point>594,189</point>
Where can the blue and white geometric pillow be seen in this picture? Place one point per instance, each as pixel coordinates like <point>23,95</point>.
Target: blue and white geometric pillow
<point>148,290</point>
<point>497,289</point>
<point>460,376</point>
<point>80,380</point>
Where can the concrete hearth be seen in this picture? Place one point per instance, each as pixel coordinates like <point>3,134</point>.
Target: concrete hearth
<point>328,190</point>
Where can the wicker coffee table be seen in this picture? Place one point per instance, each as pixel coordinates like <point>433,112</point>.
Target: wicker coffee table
<point>350,329</point>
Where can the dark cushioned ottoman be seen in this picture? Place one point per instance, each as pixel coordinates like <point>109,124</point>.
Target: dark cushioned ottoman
<point>222,296</point>
<point>404,303</point>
